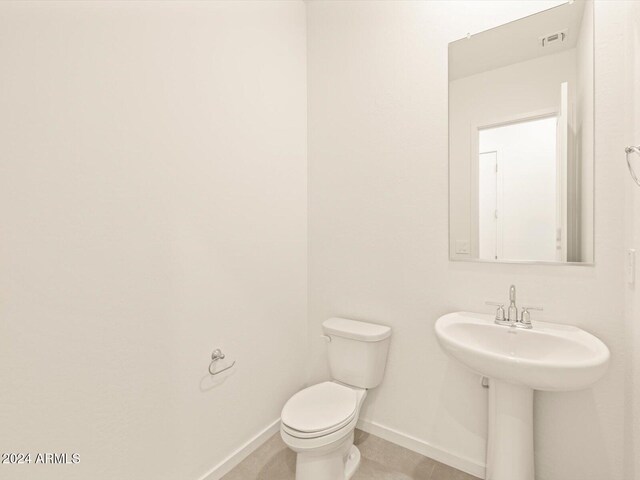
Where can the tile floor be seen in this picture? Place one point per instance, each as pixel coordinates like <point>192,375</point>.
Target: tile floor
<point>381,460</point>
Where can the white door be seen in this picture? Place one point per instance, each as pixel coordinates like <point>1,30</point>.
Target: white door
<point>524,189</point>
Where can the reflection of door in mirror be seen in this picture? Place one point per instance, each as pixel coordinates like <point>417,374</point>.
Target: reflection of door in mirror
<point>519,198</point>
<point>488,205</point>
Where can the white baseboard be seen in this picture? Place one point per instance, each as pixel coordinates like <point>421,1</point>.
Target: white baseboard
<point>389,434</point>
<point>225,466</point>
<point>423,448</point>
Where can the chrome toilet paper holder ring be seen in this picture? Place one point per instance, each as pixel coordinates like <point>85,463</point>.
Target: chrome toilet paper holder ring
<point>215,356</point>
<point>629,151</point>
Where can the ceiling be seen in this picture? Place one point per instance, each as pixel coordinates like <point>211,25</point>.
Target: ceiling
<point>515,42</point>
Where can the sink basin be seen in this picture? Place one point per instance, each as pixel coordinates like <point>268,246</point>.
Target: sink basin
<point>548,357</point>
<point>518,361</point>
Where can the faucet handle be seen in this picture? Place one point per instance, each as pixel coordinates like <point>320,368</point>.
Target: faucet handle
<point>500,313</point>
<point>525,316</point>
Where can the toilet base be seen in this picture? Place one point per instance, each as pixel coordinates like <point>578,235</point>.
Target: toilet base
<point>339,462</point>
<point>353,462</point>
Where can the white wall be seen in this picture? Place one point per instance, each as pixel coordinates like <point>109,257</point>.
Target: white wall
<point>631,119</point>
<point>153,207</point>
<point>378,251</point>
<point>523,89</point>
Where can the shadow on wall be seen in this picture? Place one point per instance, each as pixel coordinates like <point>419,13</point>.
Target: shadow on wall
<point>210,382</point>
<point>575,415</point>
<point>456,380</point>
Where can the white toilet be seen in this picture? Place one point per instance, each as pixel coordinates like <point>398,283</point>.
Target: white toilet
<point>318,422</point>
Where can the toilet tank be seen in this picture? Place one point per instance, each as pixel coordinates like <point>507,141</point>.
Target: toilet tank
<point>357,351</point>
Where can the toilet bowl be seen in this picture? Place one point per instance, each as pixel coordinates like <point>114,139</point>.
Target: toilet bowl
<point>318,422</point>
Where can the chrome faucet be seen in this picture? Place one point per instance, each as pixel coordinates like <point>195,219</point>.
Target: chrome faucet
<point>510,317</point>
<point>512,313</point>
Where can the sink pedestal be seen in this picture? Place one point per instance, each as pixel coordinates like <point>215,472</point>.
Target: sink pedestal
<point>510,442</point>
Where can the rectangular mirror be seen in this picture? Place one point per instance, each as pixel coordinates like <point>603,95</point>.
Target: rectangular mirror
<point>521,140</point>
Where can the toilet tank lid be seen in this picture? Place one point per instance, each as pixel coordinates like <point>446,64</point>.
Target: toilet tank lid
<point>363,331</point>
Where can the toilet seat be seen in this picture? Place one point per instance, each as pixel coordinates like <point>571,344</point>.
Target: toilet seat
<point>320,410</point>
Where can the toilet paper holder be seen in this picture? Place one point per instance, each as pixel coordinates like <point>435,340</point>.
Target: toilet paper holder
<point>215,356</point>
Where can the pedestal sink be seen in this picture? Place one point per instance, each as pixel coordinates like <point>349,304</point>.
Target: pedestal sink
<point>549,357</point>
